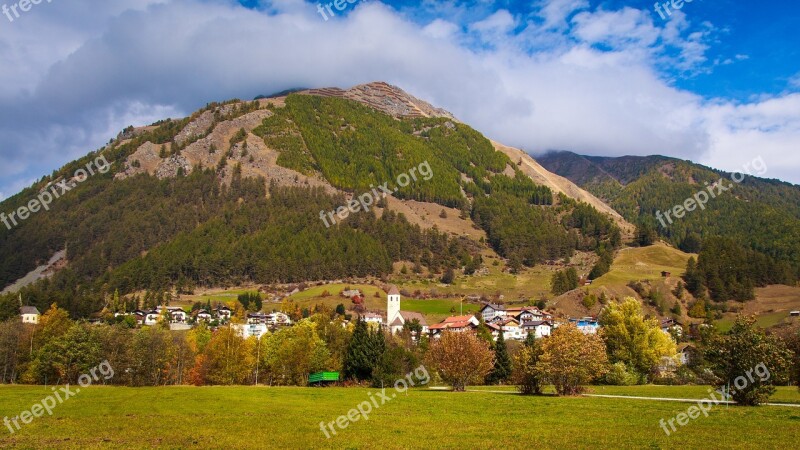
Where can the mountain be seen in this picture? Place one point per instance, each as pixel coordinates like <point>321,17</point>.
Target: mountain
<point>747,232</point>
<point>235,194</point>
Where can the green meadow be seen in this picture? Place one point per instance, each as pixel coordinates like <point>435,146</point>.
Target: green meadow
<point>263,417</point>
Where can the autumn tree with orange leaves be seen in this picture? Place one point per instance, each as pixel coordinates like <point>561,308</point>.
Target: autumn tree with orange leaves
<point>461,359</point>
<point>571,359</point>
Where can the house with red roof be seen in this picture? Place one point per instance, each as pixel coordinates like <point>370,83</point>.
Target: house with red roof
<point>458,324</point>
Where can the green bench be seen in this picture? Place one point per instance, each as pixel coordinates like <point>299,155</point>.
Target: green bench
<point>320,378</point>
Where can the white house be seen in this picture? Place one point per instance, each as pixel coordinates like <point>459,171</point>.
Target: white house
<point>178,316</point>
<point>490,311</point>
<point>539,328</point>
<point>511,329</point>
<point>203,316</point>
<point>372,319</point>
<point>251,330</point>
<point>223,312</point>
<point>278,319</point>
<point>151,317</point>
<point>29,314</point>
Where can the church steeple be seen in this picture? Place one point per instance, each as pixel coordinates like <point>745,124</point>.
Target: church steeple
<point>392,305</point>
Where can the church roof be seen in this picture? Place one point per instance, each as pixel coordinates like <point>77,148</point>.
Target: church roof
<point>393,290</point>
<point>409,316</point>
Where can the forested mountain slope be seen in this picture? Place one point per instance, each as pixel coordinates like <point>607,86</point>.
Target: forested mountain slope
<point>748,234</point>
<point>234,194</point>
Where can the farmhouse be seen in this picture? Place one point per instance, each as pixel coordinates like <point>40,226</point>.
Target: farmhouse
<point>539,328</point>
<point>151,317</point>
<point>511,329</point>
<point>223,312</point>
<point>373,319</point>
<point>671,325</point>
<point>458,324</point>
<point>687,353</point>
<point>490,311</point>
<point>29,314</point>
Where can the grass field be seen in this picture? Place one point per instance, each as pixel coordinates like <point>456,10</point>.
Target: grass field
<point>260,417</point>
<point>645,263</point>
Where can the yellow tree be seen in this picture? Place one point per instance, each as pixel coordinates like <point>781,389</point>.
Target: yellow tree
<point>571,359</point>
<point>461,359</point>
<point>632,339</point>
<point>291,354</point>
<point>228,358</point>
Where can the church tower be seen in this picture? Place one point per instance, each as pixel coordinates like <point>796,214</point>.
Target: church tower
<point>392,305</point>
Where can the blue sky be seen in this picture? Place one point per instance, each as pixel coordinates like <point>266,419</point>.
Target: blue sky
<point>718,82</point>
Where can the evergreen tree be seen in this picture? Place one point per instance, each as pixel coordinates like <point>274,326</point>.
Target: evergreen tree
<point>449,276</point>
<point>501,372</point>
<point>363,352</point>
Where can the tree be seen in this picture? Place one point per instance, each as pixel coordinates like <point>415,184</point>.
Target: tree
<point>632,339</point>
<point>571,359</point>
<point>290,355</point>
<point>693,278</point>
<point>501,372</point>
<point>645,234</point>
<point>11,333</point>
<point>229,357</point>
<point>747,350</point>
<point>691,243</point>
<point>150,354</point>
<point>461,359</point>
<point>527,376</point>
<point>564,281</point>
<point>449,276</point>
<point>363,352</point>
<point>340,309</point>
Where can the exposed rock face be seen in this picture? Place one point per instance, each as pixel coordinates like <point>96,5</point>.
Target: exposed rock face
<point>170,166</point>
<point>197,127</point>
<point>386,98</point>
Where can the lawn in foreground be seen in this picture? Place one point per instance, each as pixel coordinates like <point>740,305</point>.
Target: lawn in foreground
<point>260,417</point>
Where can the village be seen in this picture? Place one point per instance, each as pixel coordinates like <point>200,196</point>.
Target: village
<point>515,323</point>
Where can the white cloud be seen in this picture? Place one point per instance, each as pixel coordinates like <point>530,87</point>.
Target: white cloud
<point>547,86</point>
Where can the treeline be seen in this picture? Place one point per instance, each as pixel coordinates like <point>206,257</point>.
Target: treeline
<point>564,281</point>
<point>727,270</point>
<point>530,235</point>
<point>148,234</point>
<point>59,350</point>
<point>524,234</point>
